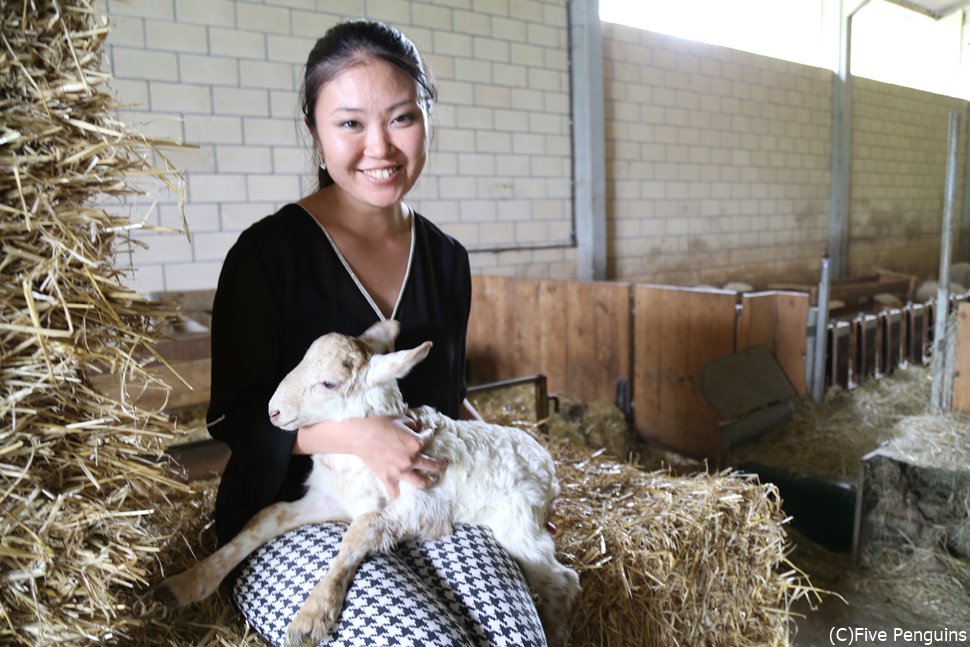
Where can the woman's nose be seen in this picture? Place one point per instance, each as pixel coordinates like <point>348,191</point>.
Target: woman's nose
<point>378,142</point>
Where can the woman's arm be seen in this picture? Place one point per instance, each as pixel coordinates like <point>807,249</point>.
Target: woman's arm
<point>390,447</point>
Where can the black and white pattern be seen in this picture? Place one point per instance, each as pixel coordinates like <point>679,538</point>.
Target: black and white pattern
<point>461,590</point>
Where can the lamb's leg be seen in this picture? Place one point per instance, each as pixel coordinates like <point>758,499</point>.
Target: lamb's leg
<point>203,578</point>
<point>556,586</point>
<point>368,533</point>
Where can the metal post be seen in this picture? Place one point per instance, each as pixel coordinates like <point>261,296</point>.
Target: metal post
<point>589,138</point>
<point>842,142</point>
<point>821,333</point>
<point>938,398</point>
<point>963,254</point>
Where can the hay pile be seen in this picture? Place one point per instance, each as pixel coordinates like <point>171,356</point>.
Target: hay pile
<point>597,425</point>
<point>663,560</point>
<point>830,439</point>
<point>920,570</point>
<point>79,479</point>
<point>674,560</point>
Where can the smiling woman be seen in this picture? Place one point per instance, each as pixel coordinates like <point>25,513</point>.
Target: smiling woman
<point>338,260</point>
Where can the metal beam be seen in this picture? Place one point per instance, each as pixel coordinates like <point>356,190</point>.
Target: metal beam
<point>838,248</point>
<point>589,138</point>
<point>963,251</point>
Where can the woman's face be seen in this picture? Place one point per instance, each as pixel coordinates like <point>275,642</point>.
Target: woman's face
<point>370,131</point>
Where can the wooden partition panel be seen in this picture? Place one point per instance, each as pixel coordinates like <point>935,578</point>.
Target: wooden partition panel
<point>961,381</point>
<point>577,333</point>
<point>777,320</point>
<point>586,337</point>
<point>677,331</point>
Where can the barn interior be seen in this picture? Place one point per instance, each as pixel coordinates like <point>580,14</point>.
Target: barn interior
<point>730,291</point>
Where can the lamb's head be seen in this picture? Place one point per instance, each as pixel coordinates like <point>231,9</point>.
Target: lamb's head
<point>345,377</point>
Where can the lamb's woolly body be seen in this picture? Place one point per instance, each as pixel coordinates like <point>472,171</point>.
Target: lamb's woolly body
<point>487,469</point>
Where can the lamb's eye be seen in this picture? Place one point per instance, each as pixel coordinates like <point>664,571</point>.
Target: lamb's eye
<point>327,384</point>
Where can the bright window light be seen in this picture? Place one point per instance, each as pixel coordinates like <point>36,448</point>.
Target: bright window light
<point>896,45</point>
<point>786,29</point>
<point>889,43</point>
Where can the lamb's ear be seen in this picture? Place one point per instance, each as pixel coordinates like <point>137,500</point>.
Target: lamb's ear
<point>393,366</point>
<point>380,337</point>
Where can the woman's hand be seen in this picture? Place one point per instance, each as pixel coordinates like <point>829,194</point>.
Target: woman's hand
<point>391,448</point>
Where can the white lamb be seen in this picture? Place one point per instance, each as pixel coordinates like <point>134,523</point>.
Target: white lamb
<point>497,476</point>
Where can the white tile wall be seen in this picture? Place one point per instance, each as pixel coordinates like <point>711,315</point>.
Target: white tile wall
<point>717,160</point>
<point>224,76</point>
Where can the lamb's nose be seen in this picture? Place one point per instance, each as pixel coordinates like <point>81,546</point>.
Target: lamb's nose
<point>274,415</point>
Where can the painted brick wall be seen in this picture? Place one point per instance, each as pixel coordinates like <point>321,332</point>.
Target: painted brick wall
<point>717,160</point>
<point>899,148</point>
<point>718,166</point>
<point>224,75</point>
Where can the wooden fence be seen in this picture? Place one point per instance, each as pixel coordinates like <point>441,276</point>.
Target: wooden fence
<point>961,382</point>
<point>644,346</point>
<point>641,345</point>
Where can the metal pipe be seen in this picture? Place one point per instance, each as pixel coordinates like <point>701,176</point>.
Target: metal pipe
<point>940,342</point>
<point>963,252</point>
<point>501,249</point>
<point>821,332</point>
<point>842,142</point>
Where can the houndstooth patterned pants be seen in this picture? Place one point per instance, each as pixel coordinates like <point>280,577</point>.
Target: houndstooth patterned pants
<point>461,590</point>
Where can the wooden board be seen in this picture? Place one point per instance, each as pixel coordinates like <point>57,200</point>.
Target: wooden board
<point>864,348</point>
<point>961,380</point>
<point>596,330</point>
<point>777,320</point>
<point>677,331</point>
<point>576,333</point>
<point>503,329</point>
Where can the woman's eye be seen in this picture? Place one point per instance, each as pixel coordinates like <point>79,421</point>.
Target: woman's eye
<point>405,119</point>
<point>350,123</point>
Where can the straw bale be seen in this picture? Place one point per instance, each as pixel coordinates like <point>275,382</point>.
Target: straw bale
<point>674,560</point>
<point>80,477</point>
<point>663,560</point>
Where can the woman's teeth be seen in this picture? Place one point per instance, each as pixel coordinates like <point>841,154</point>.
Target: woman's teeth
<point>380,174</point>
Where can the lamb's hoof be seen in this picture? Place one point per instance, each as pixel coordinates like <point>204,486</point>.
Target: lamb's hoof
<point>180,590</point>
<point>309,628</point>
<point>162,593</point>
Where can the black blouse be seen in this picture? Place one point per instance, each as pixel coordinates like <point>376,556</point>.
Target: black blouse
<point>282,285</point>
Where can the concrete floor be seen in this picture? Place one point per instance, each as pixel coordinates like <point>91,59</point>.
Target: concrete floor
<point>864,603</point>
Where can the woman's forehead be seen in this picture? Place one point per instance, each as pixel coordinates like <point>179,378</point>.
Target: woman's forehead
<point>371,84</point>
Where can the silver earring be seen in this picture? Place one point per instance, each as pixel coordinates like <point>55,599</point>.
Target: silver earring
<point>323,167</point>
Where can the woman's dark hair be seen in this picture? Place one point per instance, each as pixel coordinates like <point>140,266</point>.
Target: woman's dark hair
<point>349,43</point>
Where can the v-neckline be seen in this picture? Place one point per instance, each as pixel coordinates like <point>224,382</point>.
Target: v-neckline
<point>353,275</point>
